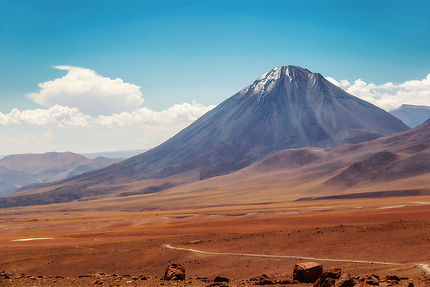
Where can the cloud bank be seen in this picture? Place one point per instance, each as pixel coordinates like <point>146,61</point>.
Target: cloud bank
<point>84,111</point>
<point>389,96</point>
<point>83,98</point>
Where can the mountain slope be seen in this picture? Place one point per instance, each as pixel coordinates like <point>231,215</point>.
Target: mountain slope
<point>287,107</point>
<point>391,166</point>
<point>412,115</point>
<point>19,170</point>
<point>396,165</point>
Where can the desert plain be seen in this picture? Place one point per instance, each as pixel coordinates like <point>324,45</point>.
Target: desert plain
<point>86,243</point>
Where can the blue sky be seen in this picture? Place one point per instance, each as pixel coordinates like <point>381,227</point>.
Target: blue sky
<point>205,51</point>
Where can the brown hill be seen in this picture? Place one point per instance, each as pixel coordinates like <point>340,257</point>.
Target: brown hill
<point>397,164</point>
<point>19,170</point>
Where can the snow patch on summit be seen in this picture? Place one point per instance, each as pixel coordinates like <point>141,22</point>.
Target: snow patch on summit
<point>270,79</point>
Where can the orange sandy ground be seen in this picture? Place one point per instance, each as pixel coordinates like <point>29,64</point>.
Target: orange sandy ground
<point>131,243</point>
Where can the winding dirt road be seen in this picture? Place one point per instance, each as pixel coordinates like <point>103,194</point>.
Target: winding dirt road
<point>424,267</point>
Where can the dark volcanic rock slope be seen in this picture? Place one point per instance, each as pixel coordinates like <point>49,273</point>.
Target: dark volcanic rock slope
<point>287,107</point>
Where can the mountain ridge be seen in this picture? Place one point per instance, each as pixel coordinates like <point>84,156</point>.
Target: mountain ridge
<point>20,170</point>
<point>412,115</point>
<point>287,107</point>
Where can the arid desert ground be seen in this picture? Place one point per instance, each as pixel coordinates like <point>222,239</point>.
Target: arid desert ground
<point>81,246</point>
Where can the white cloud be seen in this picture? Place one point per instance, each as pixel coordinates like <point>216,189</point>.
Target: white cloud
<point>61,128</point>
<point>89,92</point>
<point>389,96</point>
<point>66,117</point>
<point>178,113</point>
<point>333,81</point>
<point>56,115</point>
<point>85,112</point>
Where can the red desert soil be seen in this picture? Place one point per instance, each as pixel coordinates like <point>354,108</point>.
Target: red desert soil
<point>85,242</point>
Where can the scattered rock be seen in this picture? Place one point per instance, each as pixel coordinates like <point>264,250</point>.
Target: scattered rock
<point>392,278</point>
<point>262,280</point>
<point>221,279</point>
<point>345,281</point>
<point>372,280</point>
<point>324,282</point>
<point>332,273</point>
<point>327,278</point>
<point>307,272</point>
<point>174,272</point>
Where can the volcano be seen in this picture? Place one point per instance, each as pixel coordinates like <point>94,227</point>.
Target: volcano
<point>287,107</point>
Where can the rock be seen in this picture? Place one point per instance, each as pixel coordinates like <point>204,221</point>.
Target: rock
<point>174,272</point>
<point>263,280</point>
<point>324,282</point>
<point>392,278</point>
<point>332,273</point>
<point>307,272</point>
<point>344,281</point>
<point>327,278</point>
<point>372,280</point>
<point>221,279</point>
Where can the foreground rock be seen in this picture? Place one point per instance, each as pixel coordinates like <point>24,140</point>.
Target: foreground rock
<point>328,279</point>
<point>307,272</point>
<point>262,280</point>
<point>221,279</point>
<point>174,272</point>
<point>345,281</point>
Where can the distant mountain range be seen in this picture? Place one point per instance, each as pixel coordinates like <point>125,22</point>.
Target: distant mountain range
<point>17,171</point>
<point>412,115</point>
<point>287,107</point>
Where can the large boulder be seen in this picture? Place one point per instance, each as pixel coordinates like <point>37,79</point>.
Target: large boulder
<point>174,272</point>
<point>307,272</point>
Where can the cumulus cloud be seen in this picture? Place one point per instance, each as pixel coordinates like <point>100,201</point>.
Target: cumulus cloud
<point>89,92</point>
<point>84,111</point>
<point>66,117</point>
<point>180,113</point>
<point>389,96</point>
<point>342,83</point>
<point>56,115</point>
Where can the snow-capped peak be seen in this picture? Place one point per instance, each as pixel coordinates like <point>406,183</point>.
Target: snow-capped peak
<point>267,81</point>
